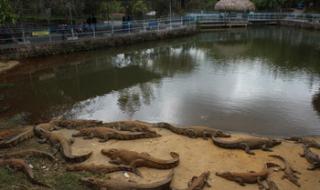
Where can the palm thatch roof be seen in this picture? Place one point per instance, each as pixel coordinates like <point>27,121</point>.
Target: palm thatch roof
<point>235,5</point>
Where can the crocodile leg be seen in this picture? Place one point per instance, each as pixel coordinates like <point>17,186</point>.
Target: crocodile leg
<point>116,161</point>
<point>265,148</point>
<point>246,148</point>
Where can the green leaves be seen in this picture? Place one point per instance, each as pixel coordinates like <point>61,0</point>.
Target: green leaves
<point>6,12</point>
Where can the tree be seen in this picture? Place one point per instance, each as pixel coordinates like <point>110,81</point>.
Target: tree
<point>269,4</point>
<point>107,7</point>
<point>6,12</point>
<point>138,8</point>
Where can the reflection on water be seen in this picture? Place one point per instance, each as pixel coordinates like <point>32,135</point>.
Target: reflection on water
<point>259,80</point>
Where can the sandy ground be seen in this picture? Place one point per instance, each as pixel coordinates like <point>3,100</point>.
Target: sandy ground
<point>198,155</point>
<point>4,66</point>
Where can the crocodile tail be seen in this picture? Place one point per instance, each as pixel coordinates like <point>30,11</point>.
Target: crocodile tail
<point>174,155</point>
<point>280,158</point>
<point>80,158</point>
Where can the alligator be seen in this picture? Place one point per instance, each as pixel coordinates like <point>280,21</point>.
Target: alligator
<point>135,159</point>
<point>75,124</point>
<point>101,169</point>
<point>27,153</point>
<point>289,172</point>
<point>117,184</point>
<point>133,126</point>
<point>247,144</point>
<point>194,131</point>
<point>61,144</point>
<point>249,177</point>
<point>21,165</point>
<point>104,134</point>
<point>22,136</point>
<point>305,141</point>
<point>311,157</point>
<point>199,182</point>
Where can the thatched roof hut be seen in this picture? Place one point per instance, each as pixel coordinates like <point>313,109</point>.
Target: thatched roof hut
<point>235,5</point>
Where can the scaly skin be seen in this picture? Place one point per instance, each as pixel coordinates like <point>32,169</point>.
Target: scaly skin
<point>289,172</point>
<point>27,153</point>
<point>311,157</point>
<point>21,165</point>
<point>8,133</point>
<point>249,177</point>
<point>13,141</point>
<point>247,144</point>
<point>101,169</point>
<point>62,144</point>
<point>305,141</point>
<point>105,134</point>
<point>133,126</point>
<point>135,159</point>
<point>75,124</point>
<point>193,132</point>
<point>199,182</point>
<point>116,184</point>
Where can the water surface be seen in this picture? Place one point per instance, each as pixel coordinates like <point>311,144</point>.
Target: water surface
<point>257,80</point>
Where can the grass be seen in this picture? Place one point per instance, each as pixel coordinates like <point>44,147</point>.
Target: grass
<point>6,85</point>
<point>69,181</point>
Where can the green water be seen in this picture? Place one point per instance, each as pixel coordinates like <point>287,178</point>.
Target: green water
<point>258,80</point>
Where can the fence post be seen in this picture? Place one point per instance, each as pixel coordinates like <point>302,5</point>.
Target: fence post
<point>23,36</point>
<point>94,32</point>
<point>112,29</point>
<point>50,40</point>
<point>158,24</point>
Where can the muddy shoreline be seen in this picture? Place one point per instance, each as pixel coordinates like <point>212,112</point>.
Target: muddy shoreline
<point>196,156</point>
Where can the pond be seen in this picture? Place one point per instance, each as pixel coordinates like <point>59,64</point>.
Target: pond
<point>259,80</point>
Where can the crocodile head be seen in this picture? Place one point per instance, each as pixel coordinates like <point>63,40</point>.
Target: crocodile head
<point>226,175</point>
<point>274,142</point>
<point>222,134</point>
<point>111,153</point>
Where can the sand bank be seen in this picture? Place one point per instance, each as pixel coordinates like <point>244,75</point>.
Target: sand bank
<point>198,155</point>
<point>4,66</point>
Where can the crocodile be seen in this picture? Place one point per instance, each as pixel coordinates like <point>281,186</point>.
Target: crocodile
<point>75,124</point>
<point>305,141</point>
<point>248,177</point>
<point>48,126</point>
<point>101,169</point>
<point>268,185</point>
<point>247,144</point>
<point>27,153</point>
<point>61,144</point>
<point>311,157</point>
<point>194,131</point>
<point>104,134</point>
<point>21,165</point>
<point>135,159</point>
<point>8,133</point>
<point>199,182</point>
<point>133,126</point>
<point>289,172</point>
<point>117,184</point>
<point>16,139</point>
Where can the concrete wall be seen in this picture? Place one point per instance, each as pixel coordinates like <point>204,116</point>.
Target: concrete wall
<point>65,47</point>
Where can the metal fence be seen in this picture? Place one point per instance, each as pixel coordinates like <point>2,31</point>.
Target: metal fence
<point>252,16</point>
<point>12,36</point>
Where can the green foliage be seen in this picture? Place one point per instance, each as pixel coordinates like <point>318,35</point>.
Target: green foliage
<point>139,7</point>
<point>6,12</point>
<point>107,7</point>
<point>269,4</point>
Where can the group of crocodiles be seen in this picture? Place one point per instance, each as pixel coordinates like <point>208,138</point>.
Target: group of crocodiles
<point>129,161</point>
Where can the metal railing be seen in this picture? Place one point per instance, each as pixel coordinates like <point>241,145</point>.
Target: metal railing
<point>253,16</point>
<point>13,36</point>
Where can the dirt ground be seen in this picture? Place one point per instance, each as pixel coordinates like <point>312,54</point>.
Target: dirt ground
<point>4,66</point>
<point>198,155</point>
